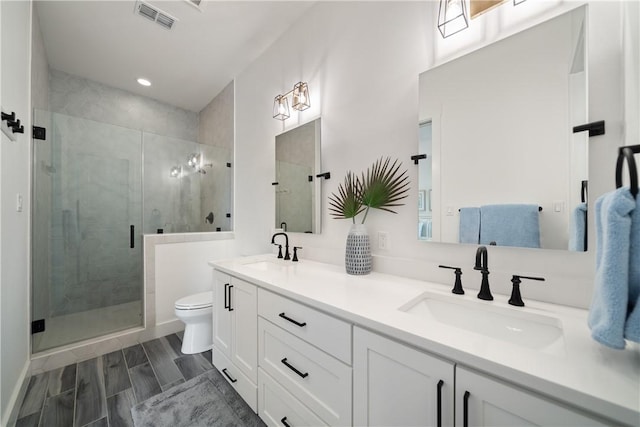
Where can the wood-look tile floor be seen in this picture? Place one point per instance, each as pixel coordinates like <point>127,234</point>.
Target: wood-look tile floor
<point>102,390</point>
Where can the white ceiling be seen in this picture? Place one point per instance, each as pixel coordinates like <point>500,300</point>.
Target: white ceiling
<point>188,65</point>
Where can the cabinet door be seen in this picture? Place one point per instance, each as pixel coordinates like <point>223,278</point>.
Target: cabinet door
<point>484,401</point>
<point>396,385</point>
<point>244,327</point>
<point>221,313</point>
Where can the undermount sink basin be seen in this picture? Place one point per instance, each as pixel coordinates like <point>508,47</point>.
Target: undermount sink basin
<point>522,328</point>
<point>268,265</point>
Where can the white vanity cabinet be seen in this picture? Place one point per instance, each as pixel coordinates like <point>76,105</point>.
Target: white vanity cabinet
<point>235,334</point>
<point>485,401</point>
<point>304,360</point>
<point>397,385</point>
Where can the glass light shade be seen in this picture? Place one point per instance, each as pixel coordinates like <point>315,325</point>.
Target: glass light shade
<point>281,108</point>
<point>300,96</point>
<point>193,160</point>
<point>452,17</point>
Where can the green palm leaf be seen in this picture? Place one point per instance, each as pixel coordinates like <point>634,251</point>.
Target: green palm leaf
<point>382,187</point>
<point>347,203</point>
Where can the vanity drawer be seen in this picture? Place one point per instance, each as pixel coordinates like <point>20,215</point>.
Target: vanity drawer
<point>320,329</point>
<point>276,404</point>
<point>239,381</point>
<point>318,380</point>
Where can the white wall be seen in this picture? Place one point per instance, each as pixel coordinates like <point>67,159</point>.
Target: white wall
<point>15,18</point>
<point>362,62</point>
<point>182,269</point>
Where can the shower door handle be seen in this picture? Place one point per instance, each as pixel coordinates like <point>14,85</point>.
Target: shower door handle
<point>132,240</point>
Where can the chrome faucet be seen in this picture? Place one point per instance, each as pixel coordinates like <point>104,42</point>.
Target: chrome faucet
<point>286,245</point>
<point>482,264</point>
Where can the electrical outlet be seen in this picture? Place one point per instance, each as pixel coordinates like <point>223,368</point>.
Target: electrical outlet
<point>383,239</point>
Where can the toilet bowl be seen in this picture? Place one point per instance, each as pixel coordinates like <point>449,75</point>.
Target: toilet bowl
<point>196,312</point>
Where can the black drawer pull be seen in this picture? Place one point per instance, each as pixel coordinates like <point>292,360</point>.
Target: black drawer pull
<point>226,301</point>
<point>465,413</point>
<point>284,316</point>
<point>440,384</point>
<point>284,361</point>
<point>284,422</point>
<point>230,287</point>
<point>233,380</point>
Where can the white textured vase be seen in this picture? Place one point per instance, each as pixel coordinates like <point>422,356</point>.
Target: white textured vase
<point>357,259</point>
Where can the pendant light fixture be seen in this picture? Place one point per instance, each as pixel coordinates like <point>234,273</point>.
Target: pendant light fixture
<point>452,17</point>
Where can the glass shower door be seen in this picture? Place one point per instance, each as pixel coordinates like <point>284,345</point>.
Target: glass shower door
<point>87,224</point>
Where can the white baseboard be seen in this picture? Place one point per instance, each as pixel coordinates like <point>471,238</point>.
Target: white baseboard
<point>20,389</point>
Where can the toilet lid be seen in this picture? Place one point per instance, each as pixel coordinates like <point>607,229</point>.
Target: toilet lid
<point>192,302</point>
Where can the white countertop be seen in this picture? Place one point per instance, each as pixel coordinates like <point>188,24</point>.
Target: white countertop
<point>576,369</point>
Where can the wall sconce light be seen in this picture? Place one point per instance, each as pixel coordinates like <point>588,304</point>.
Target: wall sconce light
<point>452,17</point>
<point>175,172</point>
<point>299,101</point>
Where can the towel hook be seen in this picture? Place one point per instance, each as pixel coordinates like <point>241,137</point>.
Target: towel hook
<point>626,153</point>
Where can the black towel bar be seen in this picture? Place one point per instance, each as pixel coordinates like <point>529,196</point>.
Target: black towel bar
<point>626,153</point>
<point>539,209</point>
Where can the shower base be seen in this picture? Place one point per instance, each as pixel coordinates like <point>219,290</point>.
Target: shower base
<point>70,328</point>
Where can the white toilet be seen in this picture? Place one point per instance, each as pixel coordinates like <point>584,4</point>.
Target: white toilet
<point>196,311</point>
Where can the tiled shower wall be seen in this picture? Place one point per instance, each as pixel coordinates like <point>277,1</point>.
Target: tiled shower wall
<point>87,99</point>
<point>180,204</point>
<point>216,134</point>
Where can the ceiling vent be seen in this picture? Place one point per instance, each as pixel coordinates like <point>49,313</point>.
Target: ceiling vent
<point>154,14</point>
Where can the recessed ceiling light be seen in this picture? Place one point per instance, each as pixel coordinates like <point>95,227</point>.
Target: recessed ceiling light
<point>144,82</point>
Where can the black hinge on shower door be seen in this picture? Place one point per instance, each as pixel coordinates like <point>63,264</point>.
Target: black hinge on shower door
<point>37,326</point>
<point>39,133</point>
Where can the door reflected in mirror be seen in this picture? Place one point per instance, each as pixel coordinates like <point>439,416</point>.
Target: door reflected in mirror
<point>425,184</point>
<point>502,162</point>
<point>297,188</point>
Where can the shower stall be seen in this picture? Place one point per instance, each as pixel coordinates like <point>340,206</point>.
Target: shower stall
<point>97,188</point>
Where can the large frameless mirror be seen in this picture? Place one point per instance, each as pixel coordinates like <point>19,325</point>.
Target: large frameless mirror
<point>297,188</point>
<point>496,126</point>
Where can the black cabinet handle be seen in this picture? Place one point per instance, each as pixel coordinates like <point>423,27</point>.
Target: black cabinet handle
<point>284,422</point>
<point>284,361</point>
<point>440,384</point>
<point>224,371</point>
<point>465,409</point>
<point>132,239</point>
<point>284,316</point>
<point>226,301</point>
<point>230,286</point>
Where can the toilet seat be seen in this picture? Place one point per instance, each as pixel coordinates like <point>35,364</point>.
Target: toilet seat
<point>195,301</point>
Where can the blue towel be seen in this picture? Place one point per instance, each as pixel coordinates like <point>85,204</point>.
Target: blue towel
<point>510,225</point>
<point>578,228</point>
<point>632,325</point>
<point>469,225</point>
<point>615,311</point>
